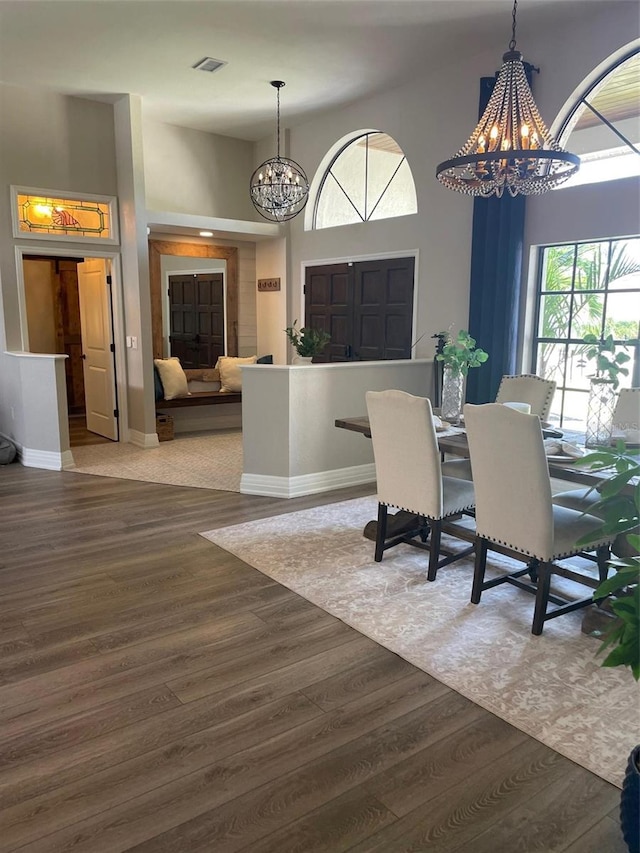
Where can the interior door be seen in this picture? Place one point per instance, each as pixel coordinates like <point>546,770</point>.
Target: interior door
<point>366,306</point>
<point>96,324</point>
<point>197,318</point>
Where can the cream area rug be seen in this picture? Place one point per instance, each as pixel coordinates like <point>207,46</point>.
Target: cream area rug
<point>204,460</point>
<point>551,687</point>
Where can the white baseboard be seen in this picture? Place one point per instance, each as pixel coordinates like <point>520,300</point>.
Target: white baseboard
<point>49,459</point>
<point>307,484</point>
<point>143,439</point>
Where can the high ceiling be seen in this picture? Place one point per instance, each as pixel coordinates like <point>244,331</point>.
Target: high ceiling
<point>329,52</point>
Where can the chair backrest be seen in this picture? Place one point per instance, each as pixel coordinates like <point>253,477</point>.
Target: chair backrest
<point>627,412</point>
<point>511,478</point>
<point>405,448</point>
<point>528,388</point>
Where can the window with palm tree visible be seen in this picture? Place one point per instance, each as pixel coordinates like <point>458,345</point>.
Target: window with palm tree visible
<point>585,288</point>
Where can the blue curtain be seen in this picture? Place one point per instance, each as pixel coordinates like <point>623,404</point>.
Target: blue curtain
<point>496,273</point>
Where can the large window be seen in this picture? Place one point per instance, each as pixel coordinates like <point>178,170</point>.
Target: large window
<point>369,178</point>
<point>585,288</point>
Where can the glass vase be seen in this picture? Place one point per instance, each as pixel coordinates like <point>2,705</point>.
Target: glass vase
<point>602,402</point>
<point>452,388</point>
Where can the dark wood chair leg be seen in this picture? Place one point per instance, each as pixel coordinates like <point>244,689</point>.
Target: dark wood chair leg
<point>434,549</point>
<point>479,569</point>
<point>542,598</point>
<point>381,532</point>
<point>603,555</point>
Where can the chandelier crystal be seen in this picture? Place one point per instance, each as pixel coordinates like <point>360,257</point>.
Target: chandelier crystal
<point>511,148</point>
<point>279,187</point>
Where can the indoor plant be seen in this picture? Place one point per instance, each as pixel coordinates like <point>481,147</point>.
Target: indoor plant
<point>619,508</point>
<point>458,355</point>
<point>306,341</point>
<point>604,384</point>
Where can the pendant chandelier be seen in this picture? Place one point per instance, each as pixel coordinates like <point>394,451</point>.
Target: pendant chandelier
<point>279,187</point>
<point>511,148</point>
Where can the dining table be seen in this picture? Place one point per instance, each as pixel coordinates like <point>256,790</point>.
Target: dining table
<point>453,441</point>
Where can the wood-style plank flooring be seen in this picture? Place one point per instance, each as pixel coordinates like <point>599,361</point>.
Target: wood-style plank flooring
<point>157,694</point>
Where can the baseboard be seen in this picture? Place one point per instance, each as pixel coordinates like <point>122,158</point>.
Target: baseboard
<point>143,439</point>
<point>49,459</point>
<point>307,484</point>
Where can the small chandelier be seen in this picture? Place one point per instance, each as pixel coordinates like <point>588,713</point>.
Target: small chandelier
<point>279,187</point>
<point>511,147</point>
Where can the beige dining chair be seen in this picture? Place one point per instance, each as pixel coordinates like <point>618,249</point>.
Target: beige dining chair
<point>626,414</point>
<point>515,514</point>
<point>521,388</point>
<point>409,478</point>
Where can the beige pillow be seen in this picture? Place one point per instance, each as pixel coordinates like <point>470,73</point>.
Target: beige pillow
<point>174,379</point>
<point>230,373</point>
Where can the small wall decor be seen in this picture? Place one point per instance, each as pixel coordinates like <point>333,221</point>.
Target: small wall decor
<point>268,285</point>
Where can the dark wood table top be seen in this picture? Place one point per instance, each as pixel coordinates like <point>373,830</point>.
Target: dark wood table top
<point>457,445</point>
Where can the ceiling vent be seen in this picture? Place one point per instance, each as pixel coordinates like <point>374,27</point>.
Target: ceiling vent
<point>208,64</point>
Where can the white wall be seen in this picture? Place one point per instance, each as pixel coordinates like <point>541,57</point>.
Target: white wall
<point>271,262</point>
<point>189,171</point>
<point>54,142</point>
<point>291,445</point>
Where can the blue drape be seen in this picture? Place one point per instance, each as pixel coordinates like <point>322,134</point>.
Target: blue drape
<point>496,274</point>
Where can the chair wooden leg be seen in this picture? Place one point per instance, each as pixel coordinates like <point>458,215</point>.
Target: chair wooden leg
<point>542,598</point>
<point>479,570</point>
<point>603,555</point>
<point>381,532</point>
<point>434,550</point>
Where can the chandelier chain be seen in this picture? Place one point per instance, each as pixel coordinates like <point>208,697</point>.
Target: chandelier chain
<point>512,43</point>
<point>278,120</point>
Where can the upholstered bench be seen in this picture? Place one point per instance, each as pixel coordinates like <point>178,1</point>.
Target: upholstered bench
<point>204,390</point>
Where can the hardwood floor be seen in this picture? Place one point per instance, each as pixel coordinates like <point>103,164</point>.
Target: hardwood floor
<point>79,435</point>
<point>157,694</point>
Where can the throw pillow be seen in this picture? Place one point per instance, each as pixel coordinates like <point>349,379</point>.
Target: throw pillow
<point>265,359</point>
<point>174,379</point>
<point>230,373</point>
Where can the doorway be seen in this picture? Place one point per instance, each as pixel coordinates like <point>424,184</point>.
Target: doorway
<point>197,318</point>
<point>366,306</point>
<point>69,310</point>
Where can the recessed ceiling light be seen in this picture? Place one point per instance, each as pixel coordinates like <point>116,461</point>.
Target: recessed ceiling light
<point>206,233</point>
<point>209,64</point>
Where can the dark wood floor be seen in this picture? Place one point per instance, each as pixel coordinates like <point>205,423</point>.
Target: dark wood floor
<point>157,694</point>
<point>79,435</point>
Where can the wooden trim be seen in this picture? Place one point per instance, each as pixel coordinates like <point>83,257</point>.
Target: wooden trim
<point>192,250</point>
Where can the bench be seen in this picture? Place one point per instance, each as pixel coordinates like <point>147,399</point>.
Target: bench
<point>204,390</point>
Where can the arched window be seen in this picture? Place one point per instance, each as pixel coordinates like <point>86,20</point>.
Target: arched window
<point>603,127</point>
<point>366,178</point>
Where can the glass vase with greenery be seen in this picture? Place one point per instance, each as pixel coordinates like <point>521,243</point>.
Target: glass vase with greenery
<point>609,366</point>
<point>458,355</point>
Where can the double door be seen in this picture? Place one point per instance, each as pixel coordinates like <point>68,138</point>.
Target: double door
<point>197,318</point>
<point>366,306</point>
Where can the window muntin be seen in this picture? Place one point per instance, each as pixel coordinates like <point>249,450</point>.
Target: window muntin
<point>368,179</point>
<point>585,287</point>
<point>605,125</point>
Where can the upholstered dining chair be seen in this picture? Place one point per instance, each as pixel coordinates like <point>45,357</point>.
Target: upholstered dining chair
<point>408,475</point>
<point>528,388</point>
<point>515,514</point>
<point>521,388</point>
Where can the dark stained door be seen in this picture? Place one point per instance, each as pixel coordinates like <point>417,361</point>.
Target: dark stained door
<point>366,306</point>
<point>197,318</point>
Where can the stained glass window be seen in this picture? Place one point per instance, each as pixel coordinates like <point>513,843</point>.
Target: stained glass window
<point>60,216</point>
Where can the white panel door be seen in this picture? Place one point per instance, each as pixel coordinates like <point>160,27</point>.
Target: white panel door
<point>97,339</point>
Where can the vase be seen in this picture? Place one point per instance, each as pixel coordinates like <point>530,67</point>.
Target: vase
<point>452,388</point>
<point>302,359</point>
<point>629,800</point>
<point>602,402</point>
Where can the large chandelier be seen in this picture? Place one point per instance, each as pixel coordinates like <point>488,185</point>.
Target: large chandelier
<point>511,147</point>
<point>279,187</point>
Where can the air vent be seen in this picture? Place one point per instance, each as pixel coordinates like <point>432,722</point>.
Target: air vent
<point>208,64</point>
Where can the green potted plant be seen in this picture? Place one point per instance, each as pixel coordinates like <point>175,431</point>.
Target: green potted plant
<point>458,355</point>
<point>306,341</point>
<point>619,507</point>
<point>609,366</point>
